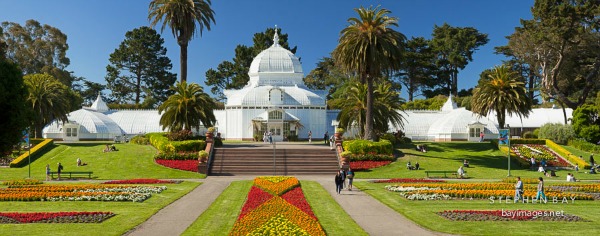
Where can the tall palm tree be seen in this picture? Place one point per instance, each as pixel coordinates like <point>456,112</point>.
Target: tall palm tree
<point>190,107</point>
<point>387,107</point>
<point>49,100</point>
<point>181,16</point>
<point>368,47</point>
<point>501,93</point>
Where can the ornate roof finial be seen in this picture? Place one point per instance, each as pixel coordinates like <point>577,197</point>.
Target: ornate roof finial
<point>276,38</point>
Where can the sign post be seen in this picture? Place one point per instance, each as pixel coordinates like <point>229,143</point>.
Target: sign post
<point>504,139</point>
<point>26,141</point>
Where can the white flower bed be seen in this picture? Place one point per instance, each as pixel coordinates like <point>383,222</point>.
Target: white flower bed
<point>418,196</point>
<point>407,189</point>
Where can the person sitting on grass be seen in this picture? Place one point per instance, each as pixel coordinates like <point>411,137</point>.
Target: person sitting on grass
<point>460,172</point>
<point>416,165</point>
<point>409,167</point>
<point>113,148</point>
<point>107,148</point>
<point>466,163</point>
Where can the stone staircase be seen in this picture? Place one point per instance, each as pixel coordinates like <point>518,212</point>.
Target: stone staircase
<point>259,161</point>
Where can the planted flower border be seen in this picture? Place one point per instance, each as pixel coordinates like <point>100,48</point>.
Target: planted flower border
<point>508,215</point>
<point>142,181</point>
<point>80,192</point>
<point>276,205</point>
<point>187,165</point>
<point>410,181</point>
<point>366,165</point>
<point>53,217</point>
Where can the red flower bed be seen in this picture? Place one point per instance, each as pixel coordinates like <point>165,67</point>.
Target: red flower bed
<point>507,215</point>
<point>365,165</point>
<point>256,197</point>
<point>409,181</point>
<point>54,217</point>
<point>296,198</point>
<point>189,165</point>
<point>142,181</point>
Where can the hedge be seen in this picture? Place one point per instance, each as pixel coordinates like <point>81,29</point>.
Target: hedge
<point>177,156</point>
<point>528,141</point>
<point>584,145</point>
<point>567,155</point>
<point>162,143</point>
<point>371,157</point>
<point>36,152</point>
<point>360,146</point>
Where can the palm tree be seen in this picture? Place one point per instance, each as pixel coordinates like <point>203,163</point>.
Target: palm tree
<point>501,93</point>
<point>49,100</point>
<point>190,107</point>
<point>367,47</point>
<point>181,16</point>
<point>352,102</point>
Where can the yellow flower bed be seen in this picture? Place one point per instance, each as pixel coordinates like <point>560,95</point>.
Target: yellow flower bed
<point>567,155</point>
<point>22,159</point>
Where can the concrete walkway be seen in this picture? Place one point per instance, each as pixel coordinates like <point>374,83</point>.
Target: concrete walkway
<point>374,217</point>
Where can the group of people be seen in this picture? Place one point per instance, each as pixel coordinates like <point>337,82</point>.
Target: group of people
<point>519,190</point>
<point>340,180</point>
<point>268,137</point>
<point>410,167</point>
<point>110,148</point>
<point>422,148</point>
<point>59,169</point>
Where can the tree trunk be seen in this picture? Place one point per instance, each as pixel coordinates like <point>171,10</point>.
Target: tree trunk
<point>183,60</point>
<point>454,82</point>
<point>410,88</point>
<point>138,89</point>
<point>369,116</point>
<point>531,83</point>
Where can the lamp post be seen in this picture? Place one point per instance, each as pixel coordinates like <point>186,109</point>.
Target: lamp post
<point>508,140</point>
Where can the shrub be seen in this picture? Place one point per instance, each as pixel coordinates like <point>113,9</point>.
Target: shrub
<point>180,135</point>
<point>389,136</point>
<point>584,145</point>
<point>529,135</point>
<point>405,140</point>
<point>210,130</point>
<point>36,152</point>
<point>360,146</point>
<point>188,145</point>
<point>340,130</point>
<point>160,142</point>
<point>292,137</point>
<point>370,157</point>
<point>527,141</point>
<point>141,140</point>
<point>218,142</point>
<point>177,156</point>
<point>558,133</point>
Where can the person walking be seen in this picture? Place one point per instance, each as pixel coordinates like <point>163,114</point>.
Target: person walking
<point>540,190</point>
<point>59,170</point>
<point>48,172</point>
<point>350,176</point>
<point>326,137</point>
<point>592,159</point>
<point>481,136</point>
<point>518,189</point>
<point>270,134</point>
<point>339,181</point>
<point>309,136</point>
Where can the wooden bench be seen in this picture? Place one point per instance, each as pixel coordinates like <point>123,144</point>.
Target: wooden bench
<point>72,173</point>
<point>445,172</point>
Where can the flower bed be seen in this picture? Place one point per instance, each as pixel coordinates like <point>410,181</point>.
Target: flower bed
<point>188,165</point>
<point>422,191</point>
<point>79,192</point>
<point>508,215</point>
<point>54,217</point>
<point>539,153</point>
<point>20,182</point>
<point>276,205</point>
<point>142,181</point>
<point>409,181</point>
<point>365,165</point>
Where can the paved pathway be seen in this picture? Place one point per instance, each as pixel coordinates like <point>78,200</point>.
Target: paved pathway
<point>374,217</point>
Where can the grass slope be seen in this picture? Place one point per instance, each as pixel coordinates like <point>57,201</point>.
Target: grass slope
<point>424,214</point>
<point>128,214</point>
<point>131,161</point>
<point>486,162</point>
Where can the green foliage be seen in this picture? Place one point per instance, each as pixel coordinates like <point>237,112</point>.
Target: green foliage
<point>141,140</point>
<point>501,93</point>
<point>390,137</point>
<point>371,157</point>
<point>139,68</point>
<point>162,143</point>
<point>360,146</point>
<point>177,156</point>
<point>13,99</point>
<point>529,135</point>
<point>190,107</point>
<point>418,68</point>
<point>218,142</point>
<point>292,137</point>
<point>584,145</point>
<point>559,133</point>
<point>189,145</point>
<point>180,135</point>
<point>326,76</point>
<point>528,141</point>
<point>36,152</point>
<point>434,103</point>
<point>586,123</point>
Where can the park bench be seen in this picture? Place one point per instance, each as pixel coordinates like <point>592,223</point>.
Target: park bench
<point>64,174</point>
<point>445,172</point>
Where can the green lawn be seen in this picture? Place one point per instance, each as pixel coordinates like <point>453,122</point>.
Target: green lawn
<point>486,162</point>
<point>131,161</point>
<point>424,214</point>
<point>128,214</point>
<point>219,218</point>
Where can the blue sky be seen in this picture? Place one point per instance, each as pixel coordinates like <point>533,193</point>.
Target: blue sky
<point>96,27</point>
